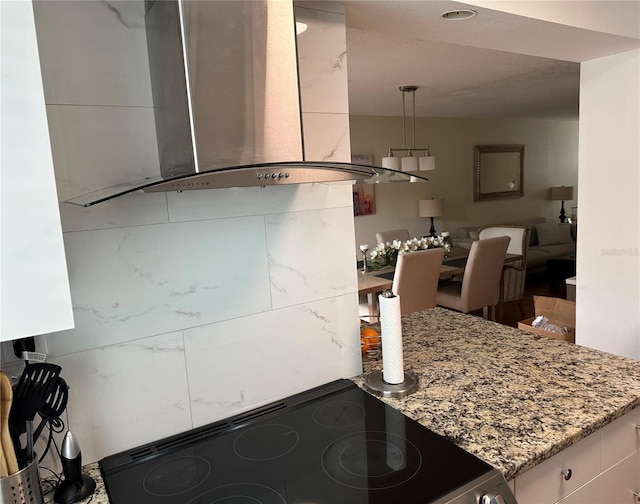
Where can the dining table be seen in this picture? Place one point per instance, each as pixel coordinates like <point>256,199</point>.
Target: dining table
<point>371,283</point>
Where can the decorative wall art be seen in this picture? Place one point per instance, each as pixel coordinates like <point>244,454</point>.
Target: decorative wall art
<point>364,200</point>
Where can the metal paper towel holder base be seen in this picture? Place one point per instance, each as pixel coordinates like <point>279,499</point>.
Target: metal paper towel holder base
<point>374,383</point>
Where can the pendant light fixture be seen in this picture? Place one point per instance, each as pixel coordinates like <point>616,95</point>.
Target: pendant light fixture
<point>409,162</point>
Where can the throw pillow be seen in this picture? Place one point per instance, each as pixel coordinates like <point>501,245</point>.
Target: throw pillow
<point>473,235</point>
<point>553,234</point>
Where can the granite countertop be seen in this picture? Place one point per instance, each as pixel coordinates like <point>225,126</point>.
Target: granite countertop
<point>512,398</point>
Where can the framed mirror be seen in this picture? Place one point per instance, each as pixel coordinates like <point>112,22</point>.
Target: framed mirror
<point>498,172</point>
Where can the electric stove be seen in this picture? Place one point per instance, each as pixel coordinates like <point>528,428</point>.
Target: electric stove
<point>334,444</point>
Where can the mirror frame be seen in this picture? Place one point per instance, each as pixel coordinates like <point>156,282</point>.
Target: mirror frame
<point>479,150</point>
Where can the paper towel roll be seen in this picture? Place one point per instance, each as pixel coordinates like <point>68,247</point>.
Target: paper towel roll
<point>391,328</point>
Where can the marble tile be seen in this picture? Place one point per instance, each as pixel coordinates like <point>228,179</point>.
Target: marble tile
<point>326,137</point>
<point>239,364</point>
<point>322,62</point>
<point>124,395</point>
<point>95,147</point>
<point>221,203</point>
<point>303,247</point>
<point>135,282</point>
<point>93,53</point>
<point>135,209</point>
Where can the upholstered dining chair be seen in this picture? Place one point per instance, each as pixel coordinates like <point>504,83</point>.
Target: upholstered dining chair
<point>513,273</point>
<point>394,234</point>
<point>416,279</point>
<point>480,286</point>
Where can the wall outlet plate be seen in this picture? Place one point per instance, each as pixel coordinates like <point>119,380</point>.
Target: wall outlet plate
<point>9,357</point>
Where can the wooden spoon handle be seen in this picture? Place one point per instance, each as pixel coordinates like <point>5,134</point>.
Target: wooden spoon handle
<point>3,466</point>
<point>6,397</point>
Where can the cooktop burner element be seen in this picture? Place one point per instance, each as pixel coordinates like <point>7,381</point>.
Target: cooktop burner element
<point>243,493</point>
<point>335,444</point>
<point>371,459</point>
<point>176,476</point>
<point>339,414</point>
<point>265,442</point>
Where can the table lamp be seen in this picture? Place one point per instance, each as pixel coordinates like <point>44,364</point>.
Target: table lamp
<point>562,193</point>
<point>431,208</point>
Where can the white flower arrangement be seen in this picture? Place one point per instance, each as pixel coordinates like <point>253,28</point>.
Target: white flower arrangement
<point>385,254</point>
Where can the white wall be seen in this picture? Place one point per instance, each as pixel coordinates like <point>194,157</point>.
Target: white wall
<point>608,273</point>
<point>192,306</point>
<point>551,159</point>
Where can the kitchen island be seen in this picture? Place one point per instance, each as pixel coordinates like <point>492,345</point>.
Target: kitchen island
<point>512,398</point>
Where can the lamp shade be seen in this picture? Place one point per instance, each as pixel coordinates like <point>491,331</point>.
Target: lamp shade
<point>431,208</point>
<point>409,163</point>
<point>427,163</point>
<point>390,162</point>
<point>564,193</point>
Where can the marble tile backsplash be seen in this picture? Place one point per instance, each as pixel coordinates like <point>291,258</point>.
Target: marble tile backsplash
<point>93,53</point>
<point>193,306</point>
<point>135,282</point>
<point>95,147</point>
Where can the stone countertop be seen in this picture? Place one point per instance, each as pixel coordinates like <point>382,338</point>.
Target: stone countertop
<point>512,398</point>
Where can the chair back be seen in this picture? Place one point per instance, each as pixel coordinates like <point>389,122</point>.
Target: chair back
<point>483,272</point>
<point>416,279</point>
<point>519,236</point>
<point>394,234</point>
<point>514,272</point>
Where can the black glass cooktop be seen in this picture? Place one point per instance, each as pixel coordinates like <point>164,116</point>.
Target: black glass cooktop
<point>330,445</point>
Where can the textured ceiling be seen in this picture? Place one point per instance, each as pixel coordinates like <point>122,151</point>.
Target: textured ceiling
<point>497,64</point>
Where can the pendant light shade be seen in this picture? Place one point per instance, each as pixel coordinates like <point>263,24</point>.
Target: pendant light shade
<point>409,162</point>
<point>390,162</point>
<point>428,162</point>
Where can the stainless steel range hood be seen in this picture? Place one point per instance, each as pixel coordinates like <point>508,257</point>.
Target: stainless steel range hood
<point>226,96</point>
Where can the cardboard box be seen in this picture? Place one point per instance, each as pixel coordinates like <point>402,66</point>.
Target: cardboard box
<point>560,312</point>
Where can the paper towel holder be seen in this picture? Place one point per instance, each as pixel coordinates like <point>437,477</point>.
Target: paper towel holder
<point>374,381</point>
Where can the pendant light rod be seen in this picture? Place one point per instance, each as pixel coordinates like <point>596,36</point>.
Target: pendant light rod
<point>412,90</point>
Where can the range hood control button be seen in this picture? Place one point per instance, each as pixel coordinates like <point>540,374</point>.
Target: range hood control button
<point>259,176</point>
<point>274,175</point>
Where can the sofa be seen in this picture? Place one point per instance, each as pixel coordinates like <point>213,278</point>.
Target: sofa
<point>547,240</point>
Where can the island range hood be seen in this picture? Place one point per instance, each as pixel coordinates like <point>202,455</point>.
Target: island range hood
<point>226,98</point>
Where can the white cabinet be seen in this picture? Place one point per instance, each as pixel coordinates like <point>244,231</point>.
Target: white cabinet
<point>621,439</point>
<point>546,483</point>
<point>34,286</point>
<point>616,485</point>
<point>604,469</point>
